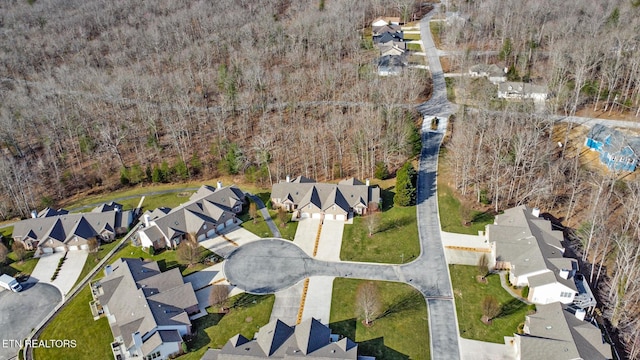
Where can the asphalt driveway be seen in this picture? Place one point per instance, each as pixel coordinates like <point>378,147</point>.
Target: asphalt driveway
<point>23,311</point>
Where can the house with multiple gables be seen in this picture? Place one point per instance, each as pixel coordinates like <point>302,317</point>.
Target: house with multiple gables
<point>208,211</point>
<point>148,310</point>
<point>277,340</point>
<point>311,199</point>
<point>495,74</point>
<point>526,245</point>
<point>59,231</point>
<point>522,91</point>
<point>618,151</point>
<point>556,332</point>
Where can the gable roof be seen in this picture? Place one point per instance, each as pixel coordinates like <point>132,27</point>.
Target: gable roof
<point>554,333</point>
<point>615,141</point>
<point>278,340</point>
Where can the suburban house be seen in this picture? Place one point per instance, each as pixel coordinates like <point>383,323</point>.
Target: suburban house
<point>384,21</point>
<point>59,231</point>
<point>325,201</point>
<point>556,332</point>
<point>148,310</point>
<point>617,151</point>
<point>522,91</point>
<point>394,49</point>
<point>208,211</point>
<point>492,72</point>
<point>391,28</point>
<point>277,340</point>
<point>391,64</point>
<point>525,245</point>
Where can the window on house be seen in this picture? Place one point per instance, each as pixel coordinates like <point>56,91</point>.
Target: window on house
<point>565,294</point>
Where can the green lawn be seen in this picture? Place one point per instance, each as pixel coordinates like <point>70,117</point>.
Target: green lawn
<point>451,91</point>
<point>402,332</point>
<point>261,228</point>
<point>395,240</point>
<point>414,47</point>
<point>449,208</point>
<point>469,294</point>
<point>14,268</point>
<point>166,259</point>
<point>214,330</point>
<point>94,258</point>
<point>75,322</point>
<point>408,37</point>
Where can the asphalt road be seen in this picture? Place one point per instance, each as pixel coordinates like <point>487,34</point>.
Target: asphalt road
<point>21,312</point>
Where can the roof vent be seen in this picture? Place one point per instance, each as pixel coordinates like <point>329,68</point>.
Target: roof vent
<point>535,212</point>
<point>564,274</point>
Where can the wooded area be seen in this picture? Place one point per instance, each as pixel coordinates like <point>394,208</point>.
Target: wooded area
<point>587,53</point>
<point>98,93</point>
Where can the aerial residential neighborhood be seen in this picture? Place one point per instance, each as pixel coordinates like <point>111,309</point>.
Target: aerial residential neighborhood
<point>319,179</point>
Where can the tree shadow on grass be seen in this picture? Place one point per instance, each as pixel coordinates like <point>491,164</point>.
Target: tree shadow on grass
<point>482,217</point>
<point>410,301</point>
<point>387,197</point>
<point>246,300</point>
<point>394,223</point>
<point>511,307</point>
<point>346,328</point>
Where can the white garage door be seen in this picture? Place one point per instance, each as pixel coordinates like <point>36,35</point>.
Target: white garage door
<point>220,227</point>
<point>229,222</point>
<point>47,250</point>
<point>316,215</point>
<point>328,216</point>
<point>304,215</point>
<point>202,237</point>
<point>341,217</point>
<point>73,248</point>
<point>84,247</point>
<point>60,249</point>
<point>211,233</point>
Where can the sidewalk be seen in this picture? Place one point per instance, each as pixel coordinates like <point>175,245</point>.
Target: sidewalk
<point>503,282</point>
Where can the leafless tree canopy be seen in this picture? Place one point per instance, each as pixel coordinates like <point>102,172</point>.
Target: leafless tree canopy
<point>368,302</point>
<point>189,252</point>
<point>490,307</point>
<point>218,295</point>
<point>3,253</point>
<point>90,87</point>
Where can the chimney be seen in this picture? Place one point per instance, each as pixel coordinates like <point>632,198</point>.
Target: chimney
<point>564,274</point>
<point>34,214</point>
<point>288,178</point>
<point>219,185</point>
<point>146,220</point>
<point>535,212</point>
<point>367,182</point>
<point>580,314</point>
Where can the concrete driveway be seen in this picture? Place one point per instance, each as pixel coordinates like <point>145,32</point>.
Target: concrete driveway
<point>23,311</point>
<point>480,350</point>
<point>330,240</point>
<point>68,274</point>
<point>318,300</point>
<point>306,234</point>
<point>226,243</point>
<point>287,304</point>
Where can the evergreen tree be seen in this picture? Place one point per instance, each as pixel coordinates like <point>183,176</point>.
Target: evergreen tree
<point>180,170</point>
<point>124,176</point>
<point>405,186</point>
<point>156,175</point>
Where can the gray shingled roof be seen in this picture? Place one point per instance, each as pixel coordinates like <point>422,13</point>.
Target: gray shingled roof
<point>554,333</point>
<point>141,298</point>
<point>278,340</point>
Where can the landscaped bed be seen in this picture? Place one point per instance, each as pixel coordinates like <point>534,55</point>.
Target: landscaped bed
<point>469,294</point>
<point>402,332</point>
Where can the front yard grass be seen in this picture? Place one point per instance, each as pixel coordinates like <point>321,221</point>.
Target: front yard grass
<point>411,36</point>
<point>261,228</point>
<point>469,294</point>
<point>449,208</point>
<point>94,258</point>
<point>402,332</point>
<point>13,267</point>
<point>75,322</point>
<point>214,330</point>
<point>167,259</point>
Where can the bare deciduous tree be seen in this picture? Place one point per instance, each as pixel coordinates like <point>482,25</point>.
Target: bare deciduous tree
<point>19,250</point>
<point>253,212</point>
<point>3,253</point>
<point>490,308</point>
<point>218,295</point>
<point>368,302</point>
<point>188,252</point>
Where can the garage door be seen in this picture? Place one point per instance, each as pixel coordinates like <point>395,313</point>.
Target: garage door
<point>84,247</point>
<point>341,217</point>
<point>211,233</point>
<point>60,249</point>
<point>229,222</point>
<point>316,216</point>
<point>202,237</point>
<point>220,227</point>
<point>328,216</point>
<point>304,215</point>
<point>73,248</point>
<point>47,250</point>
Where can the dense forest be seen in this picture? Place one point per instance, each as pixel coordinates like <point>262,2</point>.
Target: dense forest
<point>100,94</point>
<point>501,155</point>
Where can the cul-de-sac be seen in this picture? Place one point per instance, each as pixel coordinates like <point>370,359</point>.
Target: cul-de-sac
<point>322,179</point>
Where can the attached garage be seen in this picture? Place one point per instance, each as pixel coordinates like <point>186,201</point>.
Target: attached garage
<point>304,215</point>
<point>220,227</point>
<point>201,237</point>
<point>211,233</point>
<point>316,216</point>
<point>341,217</point>
<point>47,250</point>
<point>229,222</point>
<point>328,216</point>
<point>84,247</point>
<point>73,248</point>
<point>60,249</point>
